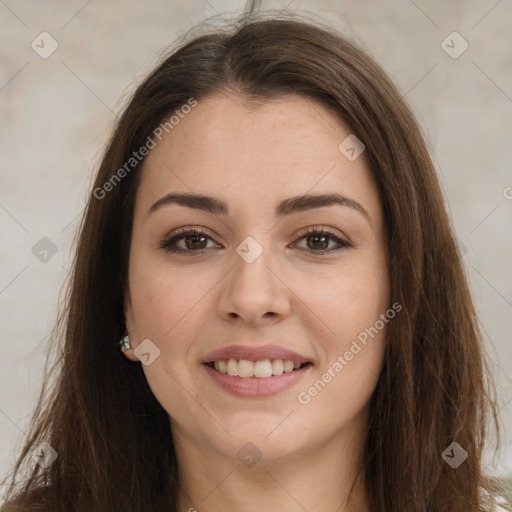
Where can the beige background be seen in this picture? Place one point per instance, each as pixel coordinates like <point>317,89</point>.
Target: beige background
<point>56,114</point>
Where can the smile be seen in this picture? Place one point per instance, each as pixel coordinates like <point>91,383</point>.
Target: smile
<point>256,379</point>
<point>259,369</point>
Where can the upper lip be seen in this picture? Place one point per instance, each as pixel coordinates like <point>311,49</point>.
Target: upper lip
<point>254,353</point>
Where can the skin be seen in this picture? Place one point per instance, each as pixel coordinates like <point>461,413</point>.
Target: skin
<point>190,304</point>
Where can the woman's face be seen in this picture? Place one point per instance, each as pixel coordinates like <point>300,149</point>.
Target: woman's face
<point>256,288</point>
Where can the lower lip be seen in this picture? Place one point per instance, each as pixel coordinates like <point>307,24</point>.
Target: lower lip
<point>255,387</point>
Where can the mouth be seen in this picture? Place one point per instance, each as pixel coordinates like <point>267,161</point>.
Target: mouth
<point>256,371</point>
<point>262,369</point>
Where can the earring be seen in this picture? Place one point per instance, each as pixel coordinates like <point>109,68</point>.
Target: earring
<point>125,343</point>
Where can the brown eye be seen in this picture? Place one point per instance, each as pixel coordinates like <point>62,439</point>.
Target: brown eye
<point>317,241</point>
<point>194,241</point>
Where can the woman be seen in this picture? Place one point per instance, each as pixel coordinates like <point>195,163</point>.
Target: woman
<point>268,310</point>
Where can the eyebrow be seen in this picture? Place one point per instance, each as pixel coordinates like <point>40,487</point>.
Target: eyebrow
<point>288,206</point>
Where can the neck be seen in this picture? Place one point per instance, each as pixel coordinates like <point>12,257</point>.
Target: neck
<point>319,479</point>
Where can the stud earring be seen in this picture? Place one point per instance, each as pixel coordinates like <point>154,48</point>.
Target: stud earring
<point>125,343</point>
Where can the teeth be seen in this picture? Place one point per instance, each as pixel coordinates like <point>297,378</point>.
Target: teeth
<point>258,369</point>
<point>232,367</point>
<point>245,368</point>
<point>288,366</point>
<point>262,369</point>
<point>277,367</point>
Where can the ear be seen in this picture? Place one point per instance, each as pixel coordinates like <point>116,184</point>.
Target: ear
<point>130,326</point>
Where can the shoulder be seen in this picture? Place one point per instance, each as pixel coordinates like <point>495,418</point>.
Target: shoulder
<point>501,504</point>
<point>503,496</point>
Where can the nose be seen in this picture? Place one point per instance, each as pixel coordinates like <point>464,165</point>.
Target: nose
<point>254,292</point>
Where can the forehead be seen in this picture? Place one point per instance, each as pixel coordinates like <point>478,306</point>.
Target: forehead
<point>230,148</point>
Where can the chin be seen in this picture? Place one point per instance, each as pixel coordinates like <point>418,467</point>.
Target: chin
<point>263,438</point>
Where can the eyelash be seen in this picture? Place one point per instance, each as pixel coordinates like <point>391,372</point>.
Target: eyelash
<point>168,244</point>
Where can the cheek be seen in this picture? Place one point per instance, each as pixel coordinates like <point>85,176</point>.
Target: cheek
<point>166,304</point>
<point>162,297</point>
<point>349,326</point>
<point>352,351</point>
<point>347,299</point>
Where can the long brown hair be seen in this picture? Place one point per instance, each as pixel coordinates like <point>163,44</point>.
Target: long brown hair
<point>113,438</point>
